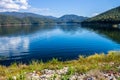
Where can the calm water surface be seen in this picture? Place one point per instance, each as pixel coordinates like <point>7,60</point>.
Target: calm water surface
<point>64,42</point>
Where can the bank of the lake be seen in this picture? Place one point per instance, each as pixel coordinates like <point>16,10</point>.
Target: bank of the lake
<point>97,67</point>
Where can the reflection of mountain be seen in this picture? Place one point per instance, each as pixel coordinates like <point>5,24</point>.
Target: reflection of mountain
<point>19,30</point>
<point>69,28</point>
<point>112,33</point>
<point>58,41</point>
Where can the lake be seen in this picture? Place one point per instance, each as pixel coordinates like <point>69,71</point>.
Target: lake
<point>65,42</point>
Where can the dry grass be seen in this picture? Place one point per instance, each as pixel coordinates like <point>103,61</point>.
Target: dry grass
<point>101,62</point>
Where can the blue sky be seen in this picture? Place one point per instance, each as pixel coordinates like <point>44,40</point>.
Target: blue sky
<point>60,7</point>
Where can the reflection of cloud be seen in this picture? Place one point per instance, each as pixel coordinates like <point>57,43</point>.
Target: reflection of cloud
<point>13,45</point>
<point>55,32</point>
<point>46,34</point>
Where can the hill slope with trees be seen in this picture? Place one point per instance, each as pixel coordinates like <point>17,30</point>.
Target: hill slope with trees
<point>21,19</point>
<point>10,18</point>
<point>71,19</point>
<point>110,16</point>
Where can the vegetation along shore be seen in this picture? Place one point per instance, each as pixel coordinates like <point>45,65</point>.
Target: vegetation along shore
<point>94,67</point>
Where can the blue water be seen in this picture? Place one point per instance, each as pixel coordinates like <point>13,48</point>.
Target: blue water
<point>62,42</point>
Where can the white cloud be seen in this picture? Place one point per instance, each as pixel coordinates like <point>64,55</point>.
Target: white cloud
<point>13,5</point>
<point>22,5</point>
<point>95,14</point>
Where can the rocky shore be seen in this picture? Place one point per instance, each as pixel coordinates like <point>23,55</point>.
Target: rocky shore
<point>94,67</point>
<point>66,74</point>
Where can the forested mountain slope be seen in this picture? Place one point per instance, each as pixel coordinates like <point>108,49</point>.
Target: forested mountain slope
<point>110,16</point>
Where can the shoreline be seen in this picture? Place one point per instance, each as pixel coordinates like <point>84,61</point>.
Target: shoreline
<point>24,24</point>
<point>107,64</point>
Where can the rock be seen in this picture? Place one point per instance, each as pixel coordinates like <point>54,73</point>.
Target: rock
<point>62,71</point>
<point>73,77</point>
<point>14,78</point>
<point>47,74</point>
<point>90,78</point>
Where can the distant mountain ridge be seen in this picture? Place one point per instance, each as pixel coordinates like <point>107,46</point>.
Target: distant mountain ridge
<point>16,18</point>
<point>71,18</point>
<point>110,16</point>
<point>25,14</point>
<point>31,18</point>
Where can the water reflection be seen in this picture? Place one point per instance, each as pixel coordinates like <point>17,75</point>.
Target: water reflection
<point>22,30</point>
<point>107,30</point>
<point>65,42</point>
<point>13,46</point>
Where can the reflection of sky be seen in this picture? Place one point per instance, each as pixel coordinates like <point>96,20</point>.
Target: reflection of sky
<point>55,40</point>
<point>13,45</point>
<point>46,34</point>
<point>57,32</point>
<point>68,40</point>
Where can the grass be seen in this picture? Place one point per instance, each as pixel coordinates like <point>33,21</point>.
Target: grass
<point>101,62</point>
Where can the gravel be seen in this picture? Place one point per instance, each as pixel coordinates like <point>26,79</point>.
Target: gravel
<point>62,74</point>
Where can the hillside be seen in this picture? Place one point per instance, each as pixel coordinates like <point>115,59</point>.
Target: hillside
<point>110,16</point>
<point>4,19</point>
<point>71,18</point>
<point>25,14</point>
<point>10,18</point>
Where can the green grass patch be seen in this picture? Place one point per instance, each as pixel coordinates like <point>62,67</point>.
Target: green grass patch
<point>102,62</point>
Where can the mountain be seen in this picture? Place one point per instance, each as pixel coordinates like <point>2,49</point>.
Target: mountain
<point>22,19</point>
<point>4,19</point>
<point>71,18</point>
<point>110,16</point>
<point>9,18</point>
<point>25,14</point>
